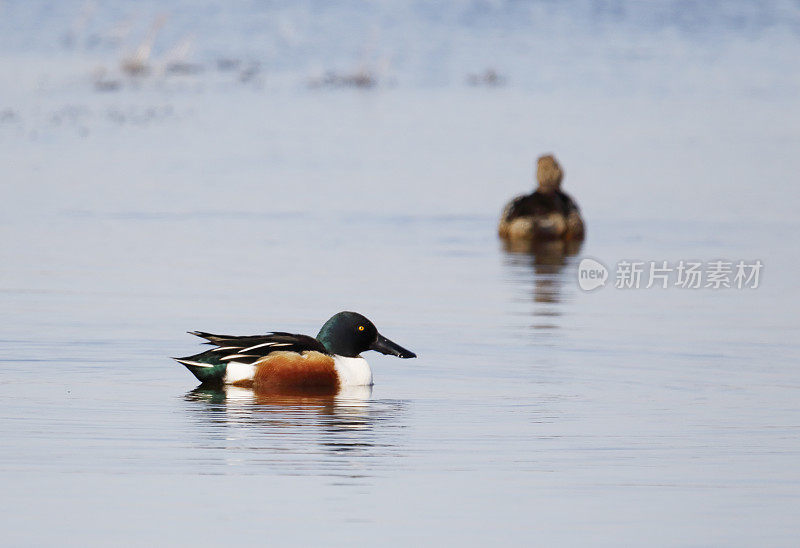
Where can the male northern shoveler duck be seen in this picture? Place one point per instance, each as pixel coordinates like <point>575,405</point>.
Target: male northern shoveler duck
<point>289,363</point>
<point>546,214</point>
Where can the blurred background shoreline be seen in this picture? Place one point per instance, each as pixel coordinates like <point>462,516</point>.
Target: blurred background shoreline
<point>668,100</point>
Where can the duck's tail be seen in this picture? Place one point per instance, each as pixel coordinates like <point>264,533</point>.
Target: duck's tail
<point>206,366</point>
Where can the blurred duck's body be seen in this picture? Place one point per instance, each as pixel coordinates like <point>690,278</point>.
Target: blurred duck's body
<point>546,214</point>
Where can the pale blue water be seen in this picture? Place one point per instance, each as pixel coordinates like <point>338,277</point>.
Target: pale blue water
<point>536,413</point>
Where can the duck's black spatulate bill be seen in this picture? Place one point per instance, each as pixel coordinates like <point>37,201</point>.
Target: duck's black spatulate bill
<point>385,346</point>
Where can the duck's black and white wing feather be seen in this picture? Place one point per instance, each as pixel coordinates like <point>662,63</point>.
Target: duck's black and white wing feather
<point>249,349</point>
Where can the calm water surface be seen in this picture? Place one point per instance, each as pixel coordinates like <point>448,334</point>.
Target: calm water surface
<point>536,413</point>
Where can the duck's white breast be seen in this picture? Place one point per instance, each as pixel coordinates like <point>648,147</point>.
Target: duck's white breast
<point>353,371</point>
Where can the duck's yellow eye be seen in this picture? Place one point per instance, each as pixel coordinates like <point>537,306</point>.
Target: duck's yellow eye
<point>361,328</point>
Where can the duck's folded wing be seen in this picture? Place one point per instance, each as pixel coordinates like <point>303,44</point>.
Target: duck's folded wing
<point>249,349</point>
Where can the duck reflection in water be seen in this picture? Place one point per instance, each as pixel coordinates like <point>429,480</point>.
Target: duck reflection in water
<point>235,398</point>
<point>545,261</point>
<point>282,428</point>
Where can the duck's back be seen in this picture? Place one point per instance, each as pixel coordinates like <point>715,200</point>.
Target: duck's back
<point>540,204</point>
<point>541,215</point>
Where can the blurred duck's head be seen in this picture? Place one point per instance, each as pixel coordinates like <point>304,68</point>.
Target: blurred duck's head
<point>548,173</point>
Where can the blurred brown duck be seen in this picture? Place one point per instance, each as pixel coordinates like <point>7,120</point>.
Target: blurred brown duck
<point>547,213</point>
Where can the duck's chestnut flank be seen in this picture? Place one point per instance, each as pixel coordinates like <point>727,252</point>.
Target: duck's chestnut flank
<point>292,372</point>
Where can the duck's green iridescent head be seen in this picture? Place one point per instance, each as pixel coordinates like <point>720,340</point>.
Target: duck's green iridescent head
<point>349,334</point>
